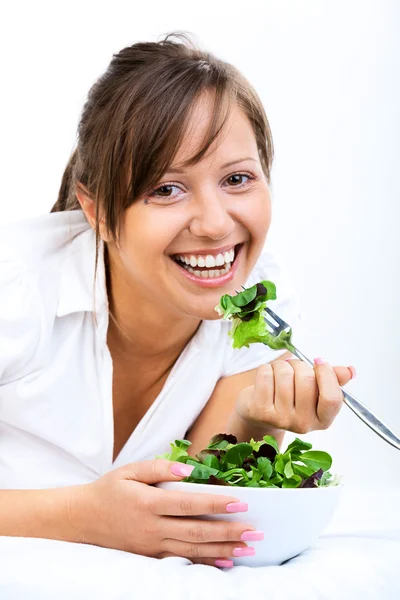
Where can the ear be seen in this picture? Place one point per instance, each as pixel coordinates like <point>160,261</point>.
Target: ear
<point>88,205</point>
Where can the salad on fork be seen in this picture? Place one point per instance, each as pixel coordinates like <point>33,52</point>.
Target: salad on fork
<point>254,322</point>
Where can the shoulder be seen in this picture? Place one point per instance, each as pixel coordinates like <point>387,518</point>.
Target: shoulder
<point>31,241</point>
<point>31,254</point>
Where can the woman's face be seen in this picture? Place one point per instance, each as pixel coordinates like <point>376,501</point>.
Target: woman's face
<point>199,234</point>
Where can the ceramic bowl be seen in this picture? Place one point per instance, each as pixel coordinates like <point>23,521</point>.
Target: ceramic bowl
<point>291,518</point>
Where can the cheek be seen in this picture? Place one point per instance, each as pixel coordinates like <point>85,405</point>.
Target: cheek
<point>259,217</point>
<point>145,238</point>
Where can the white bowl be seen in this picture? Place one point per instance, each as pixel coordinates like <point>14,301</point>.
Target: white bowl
<point>291,518</point>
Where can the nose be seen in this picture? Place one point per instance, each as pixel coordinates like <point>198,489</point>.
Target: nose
<point>212,218</point>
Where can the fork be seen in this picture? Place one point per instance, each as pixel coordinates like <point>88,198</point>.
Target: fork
<point>362,411</point>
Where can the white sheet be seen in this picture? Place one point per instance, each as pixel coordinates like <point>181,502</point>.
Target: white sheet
<point>357,558</point>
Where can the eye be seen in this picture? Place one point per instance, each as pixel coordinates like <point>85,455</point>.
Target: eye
<point>236,179</point>
<point>164,191</point>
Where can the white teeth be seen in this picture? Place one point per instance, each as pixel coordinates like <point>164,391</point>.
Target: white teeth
<point>219,261</point>
<point>223,259</point>
<point>210,261</point>
<point>209,274</point>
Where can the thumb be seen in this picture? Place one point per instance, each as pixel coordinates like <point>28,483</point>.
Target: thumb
<point>156,471</point>
<point>344,374</point>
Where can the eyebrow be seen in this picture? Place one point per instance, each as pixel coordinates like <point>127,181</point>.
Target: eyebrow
<point>224,166</point>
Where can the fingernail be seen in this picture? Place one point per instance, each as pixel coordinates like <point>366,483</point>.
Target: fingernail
<point>319,361</point>
<point>252,536</point>
<point>181,469</point>
<point>353,372</point>
<point>248,551</point>
<point>220,562</point>
<point>237,507</point>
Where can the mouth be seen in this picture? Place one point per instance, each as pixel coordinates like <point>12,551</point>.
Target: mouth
<point>209,270</point>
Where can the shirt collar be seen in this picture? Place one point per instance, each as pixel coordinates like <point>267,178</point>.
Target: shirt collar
<point>77,291</point>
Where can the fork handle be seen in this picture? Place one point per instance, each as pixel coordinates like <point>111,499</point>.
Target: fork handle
<point>362,411</point>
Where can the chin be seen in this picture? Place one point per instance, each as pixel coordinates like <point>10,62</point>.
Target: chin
<point>205,309</point>
<point>210,315</point>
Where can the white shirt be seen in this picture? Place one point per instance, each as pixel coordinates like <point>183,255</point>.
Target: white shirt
<point>56,415</point>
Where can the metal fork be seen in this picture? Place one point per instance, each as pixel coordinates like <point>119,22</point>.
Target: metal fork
<point>364,413</point>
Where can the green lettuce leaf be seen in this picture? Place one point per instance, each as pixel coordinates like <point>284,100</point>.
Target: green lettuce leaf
<point>246,311</point>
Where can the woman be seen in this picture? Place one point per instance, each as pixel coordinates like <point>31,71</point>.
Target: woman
<point>110,346</point>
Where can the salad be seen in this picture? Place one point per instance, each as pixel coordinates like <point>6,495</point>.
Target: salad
<point>255,464</point>
<point>246,310</point>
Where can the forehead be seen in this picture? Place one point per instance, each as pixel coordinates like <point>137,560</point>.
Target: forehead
<point>236,137</point>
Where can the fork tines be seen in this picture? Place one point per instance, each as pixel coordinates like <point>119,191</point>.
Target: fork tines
<point>272,327</point>
<point>280,321</point>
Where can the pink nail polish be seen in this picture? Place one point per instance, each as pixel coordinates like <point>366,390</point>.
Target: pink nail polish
<point>252,536</point>
<point>319,361</point>
<point>237,507</point>
<point>353,372</point>
<point>248,551</point>
<point>181,470</point>
<point>221,562</point>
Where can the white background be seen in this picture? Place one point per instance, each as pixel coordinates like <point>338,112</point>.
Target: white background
<point>328,74</point>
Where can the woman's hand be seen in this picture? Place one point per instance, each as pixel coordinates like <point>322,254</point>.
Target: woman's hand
<point>289,395</point>
<point>123,510</point>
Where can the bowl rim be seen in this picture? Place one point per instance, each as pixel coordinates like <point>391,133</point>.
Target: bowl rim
<point>221,488</point>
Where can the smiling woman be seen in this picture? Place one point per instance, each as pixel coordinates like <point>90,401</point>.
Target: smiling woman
<point>109,342</point>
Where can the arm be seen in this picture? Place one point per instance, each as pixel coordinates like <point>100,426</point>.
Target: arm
<point>219,415</point>
<point>38,513</point>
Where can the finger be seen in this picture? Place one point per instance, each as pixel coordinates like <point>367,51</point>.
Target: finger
<point>224,562</point>
<point>256,403</point>
<point>186,504</point>
<point>284,387</point>
<point>154,471</point>
<point>306,396</point>
<point>330,398</point>
<point>344,374</point>
<point>264,390</point>
<point>216,550</point>
<point>201,531</point>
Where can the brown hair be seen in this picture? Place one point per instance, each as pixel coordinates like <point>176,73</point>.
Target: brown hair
<point>135,119</point>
